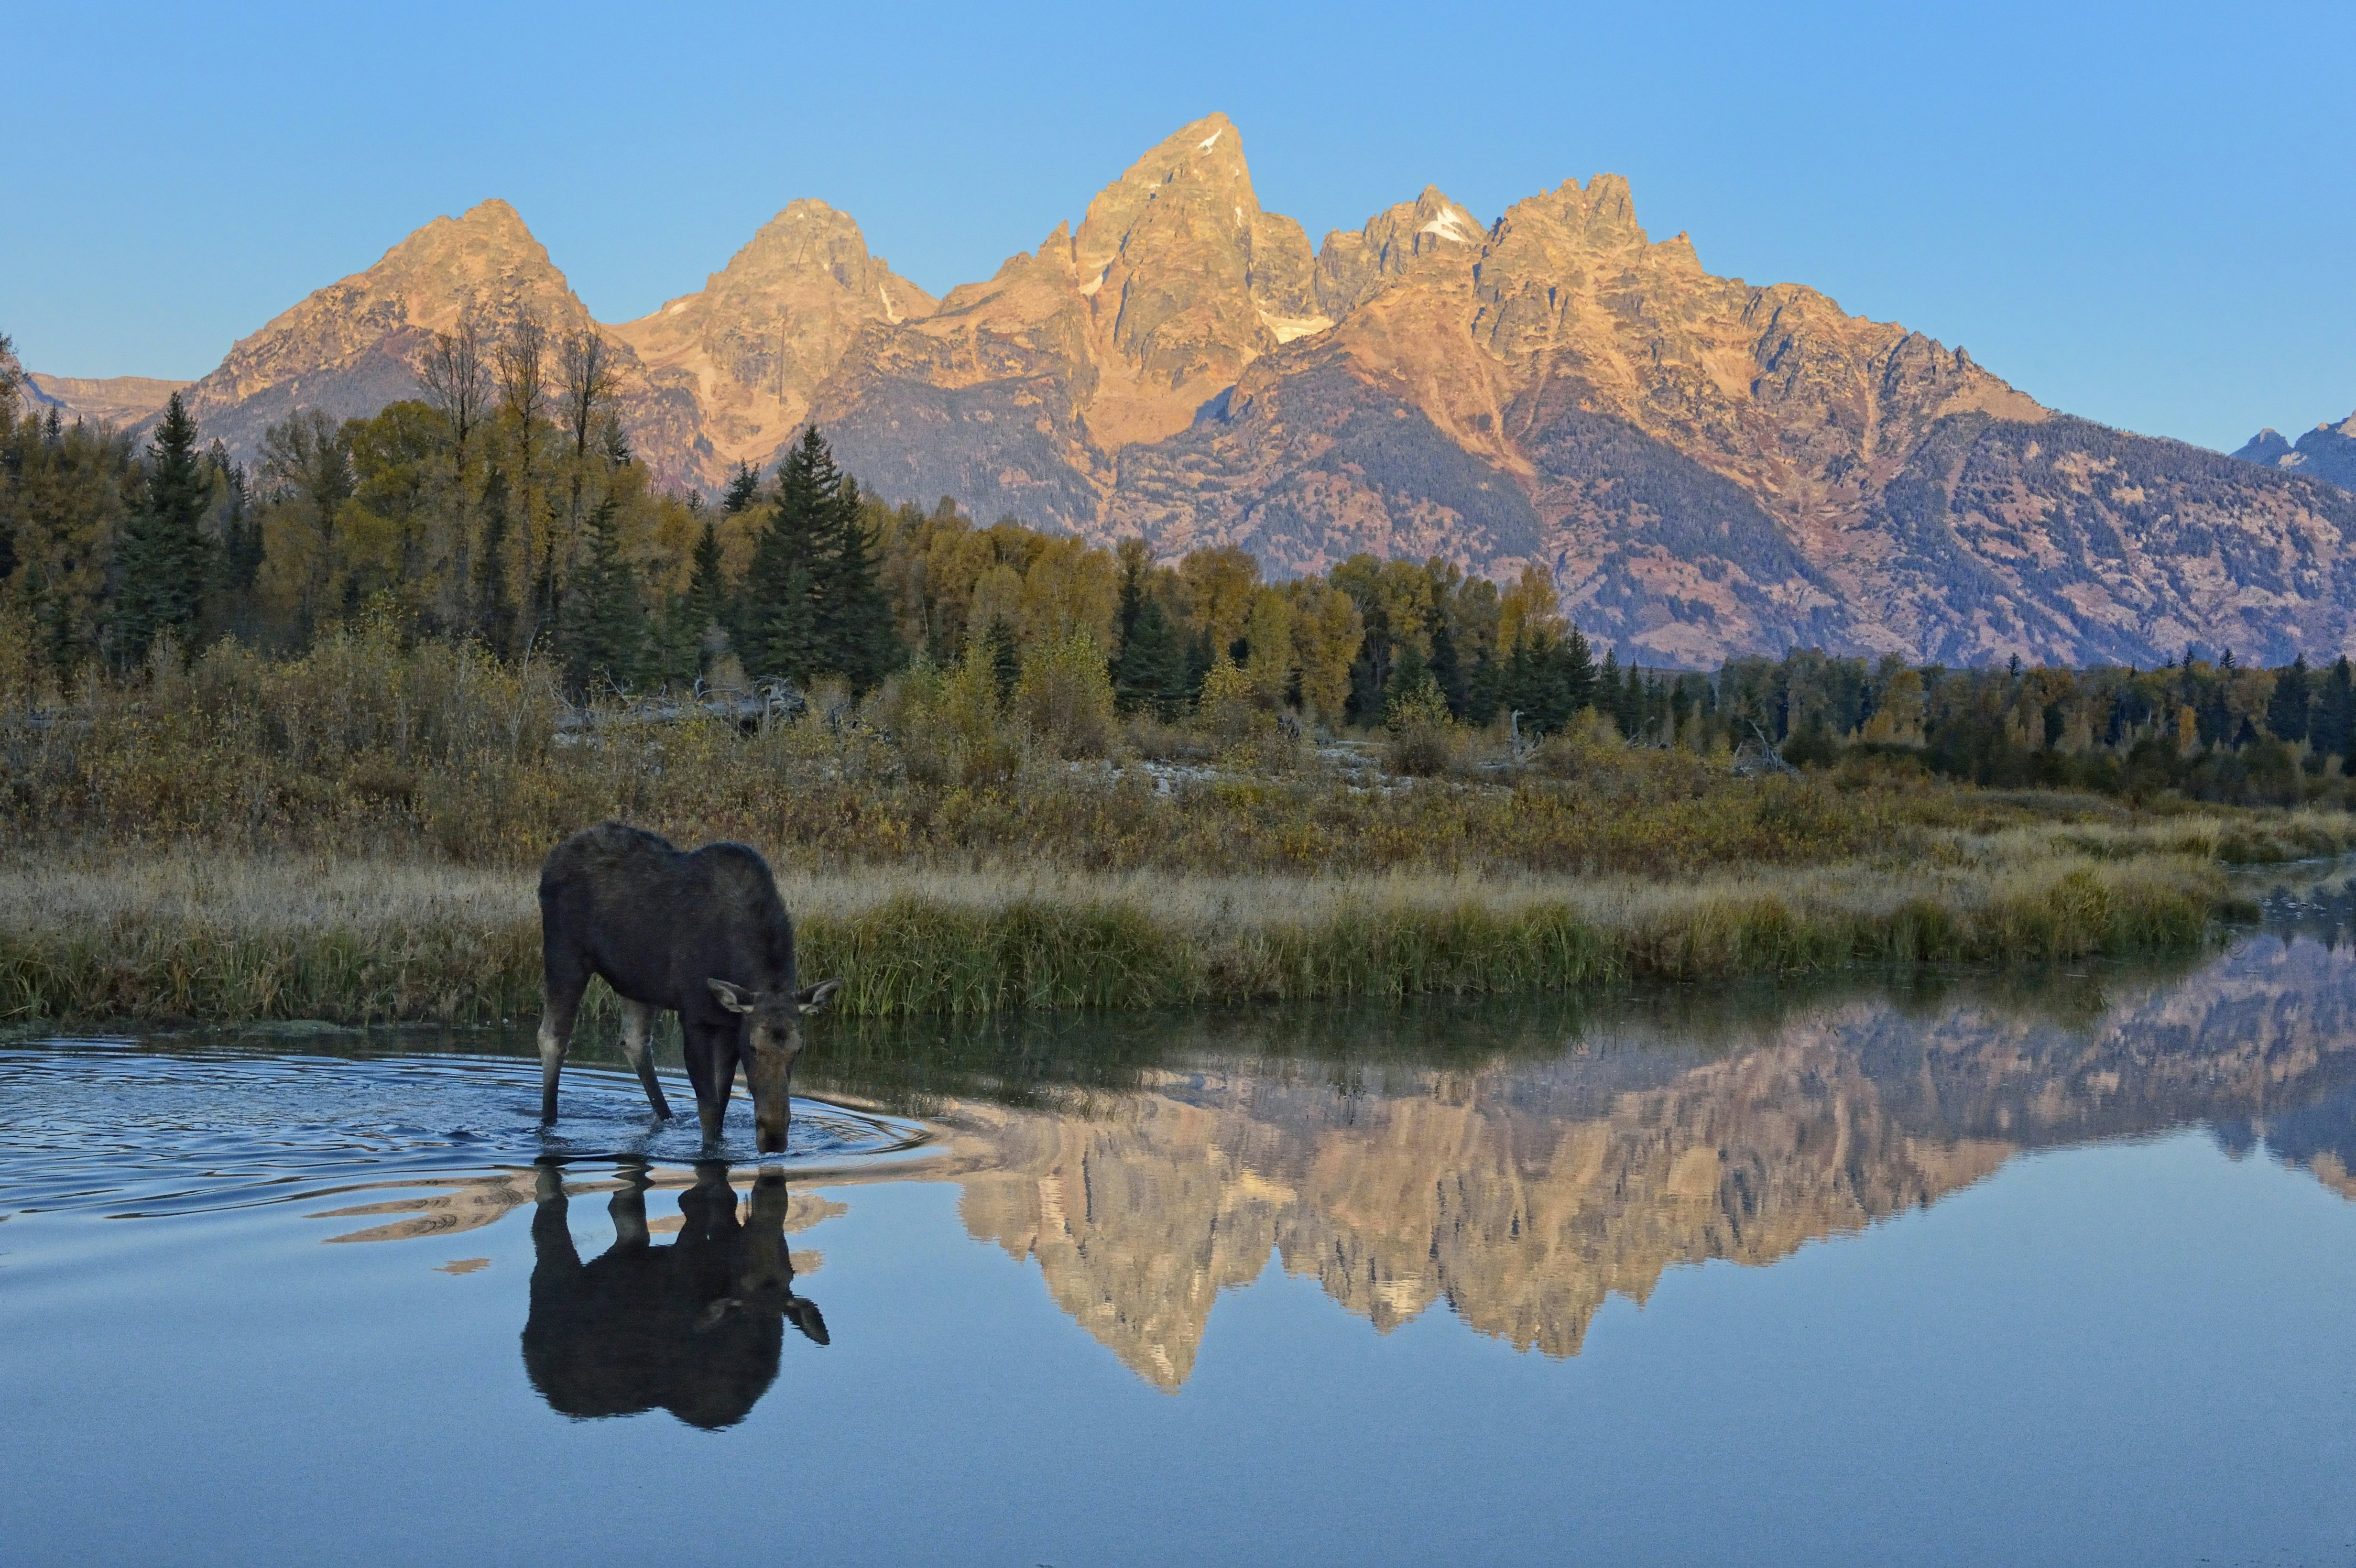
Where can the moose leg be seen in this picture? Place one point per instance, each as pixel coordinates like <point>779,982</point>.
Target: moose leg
<point>638,1045</point>
<point>712,1068</point>
<point>567,979</point>
<point>629,1209</point>
<point>713,1107</point>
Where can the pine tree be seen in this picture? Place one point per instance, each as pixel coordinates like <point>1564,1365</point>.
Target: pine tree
<point>1609,698</point>
<point>166,556</point>
<point>744,489</point>
<point>1005,659</point>
<point>237,555</point>
<point>1149,662</point>
<point>1410,674</point>
<point>1578,671</point>
<point>240,559</point>
<point>707,587</point>
<point>1150,672</point>
<point>2334,729</point>
<point>778,616</point>
<point>1484,692</point>
<point>1447,668</point>
<point>855,617</point>
<point>2286,708</point>
<point>604,631</point>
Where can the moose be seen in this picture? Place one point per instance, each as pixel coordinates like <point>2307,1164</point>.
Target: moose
<point>695,1328</point>
<point>705,934</point>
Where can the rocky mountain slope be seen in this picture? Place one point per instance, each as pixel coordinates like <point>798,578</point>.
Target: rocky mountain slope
<point>2327,453</point>
<point>1710,467</point>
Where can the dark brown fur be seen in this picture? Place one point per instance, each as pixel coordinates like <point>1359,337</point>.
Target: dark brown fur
<point>703,935</point>
<point>693,1327</point>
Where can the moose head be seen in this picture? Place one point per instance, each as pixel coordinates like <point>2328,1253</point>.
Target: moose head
<point>769,1039</point>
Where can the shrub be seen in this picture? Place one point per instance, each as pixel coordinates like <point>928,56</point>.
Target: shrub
<point>1422,736</point>
<point>1064,697</point>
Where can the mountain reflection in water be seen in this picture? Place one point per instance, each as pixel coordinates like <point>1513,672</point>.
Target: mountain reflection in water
<point>1522,1163</point>
<point>1523,1180</point>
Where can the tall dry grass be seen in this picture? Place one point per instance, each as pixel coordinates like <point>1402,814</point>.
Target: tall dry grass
<point>196,934</point>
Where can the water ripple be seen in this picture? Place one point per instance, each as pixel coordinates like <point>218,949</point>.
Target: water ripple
<point>133,1131</point>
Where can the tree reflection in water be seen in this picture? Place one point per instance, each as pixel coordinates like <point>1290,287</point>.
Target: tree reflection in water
<point>695,1328</point>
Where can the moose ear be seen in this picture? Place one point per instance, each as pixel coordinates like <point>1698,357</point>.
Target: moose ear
<point>814,998</point>
<point>728,996</point>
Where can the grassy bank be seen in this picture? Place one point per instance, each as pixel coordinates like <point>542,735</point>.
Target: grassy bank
<point>191,933</point>
<point>352,836</point>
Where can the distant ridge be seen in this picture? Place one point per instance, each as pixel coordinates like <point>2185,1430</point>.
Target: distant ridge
<point>109,399</point>
<point>2327,453</point>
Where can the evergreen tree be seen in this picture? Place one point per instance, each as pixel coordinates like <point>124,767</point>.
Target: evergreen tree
<point>2286,708</point>
<point>1148,661</point>
<point>236,555</point>
<point>1150,671</point>
<point>1577,662</point>
<point>779,630</point>
<point>1410,673</point>
<point>1005,659</point>
<point>744,489</point>
<point>1612,690</point>
<point>707,587</point>
<point>854,616</point>
<point>2334,727</point>
<point>604,626</point>
<point>1446,669</point>
<point>1131,602</point>
<point>166,557</point>
<point>239,557</point>
<point>1485,691</point>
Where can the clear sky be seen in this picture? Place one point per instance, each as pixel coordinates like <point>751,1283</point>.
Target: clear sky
<point>2144,213</point>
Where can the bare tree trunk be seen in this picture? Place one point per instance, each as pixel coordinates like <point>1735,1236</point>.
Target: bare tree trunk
<point>523,368</point>
<point>585,363</point>
<point>458,382</point>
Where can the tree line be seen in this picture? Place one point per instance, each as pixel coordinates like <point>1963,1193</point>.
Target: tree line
<point>503,505</point>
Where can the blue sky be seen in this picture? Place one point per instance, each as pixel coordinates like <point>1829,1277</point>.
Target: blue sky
<point>2141,214</point>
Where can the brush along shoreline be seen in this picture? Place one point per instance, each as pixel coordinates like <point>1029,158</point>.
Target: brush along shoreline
<point>195,934</point>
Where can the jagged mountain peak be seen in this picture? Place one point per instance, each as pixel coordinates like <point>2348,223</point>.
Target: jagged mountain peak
<point>1352,268</point>
<point>1199,166</point>
<point>1600,216</point>
<point>756,341</point>
<point>807,242</point>
<point>2268,448</point>
<point>353,347</point>
<point>487,256</point>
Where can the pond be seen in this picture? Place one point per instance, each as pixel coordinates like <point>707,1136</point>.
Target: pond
<point>2055,1268</point>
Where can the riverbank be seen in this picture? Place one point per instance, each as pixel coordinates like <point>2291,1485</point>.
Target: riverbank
<point>209,935</point>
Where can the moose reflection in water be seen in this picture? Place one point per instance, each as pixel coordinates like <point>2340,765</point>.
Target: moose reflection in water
<point>695,1328</point>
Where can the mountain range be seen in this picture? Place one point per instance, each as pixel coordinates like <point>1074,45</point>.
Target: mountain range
<point>2327,453</point>
<point>1709,467</point>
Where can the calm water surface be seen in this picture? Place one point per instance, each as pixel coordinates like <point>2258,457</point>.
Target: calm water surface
<point>2058,1269</point>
